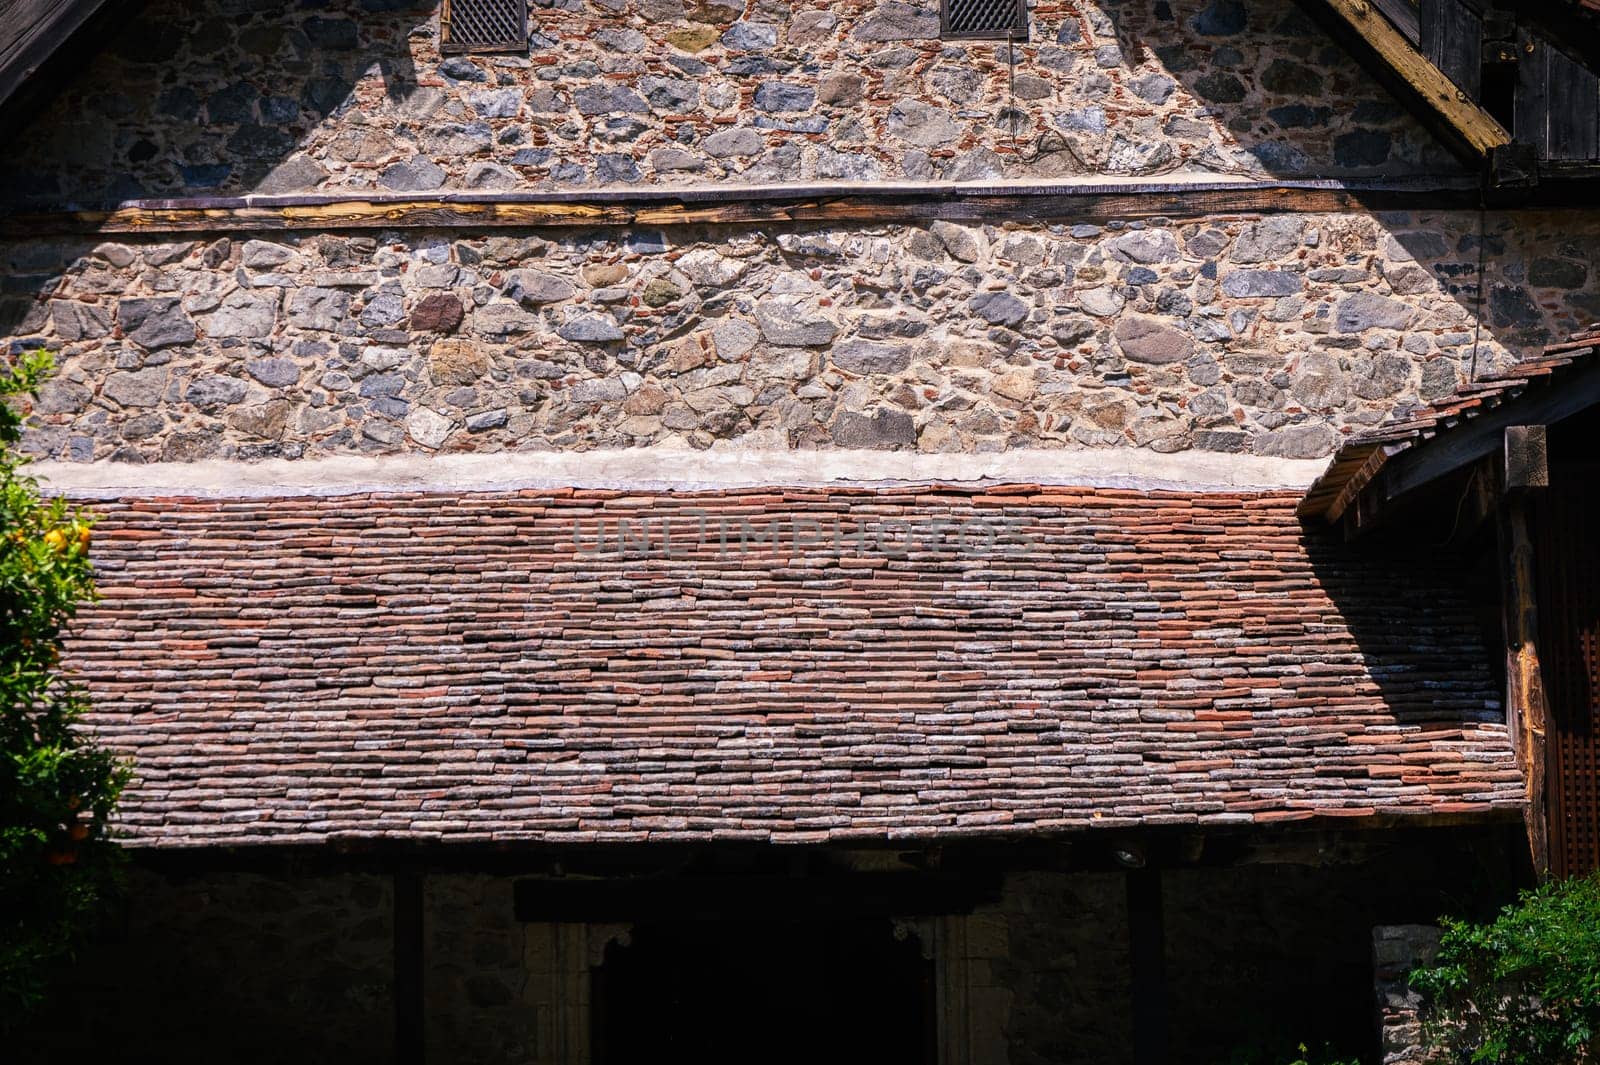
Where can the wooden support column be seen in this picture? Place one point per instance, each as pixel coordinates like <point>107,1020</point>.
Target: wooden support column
<point>1526,473</point>
<point>408,1008</point>
<point>1147,957</point>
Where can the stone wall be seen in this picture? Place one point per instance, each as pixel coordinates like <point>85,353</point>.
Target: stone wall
<point>234,967</point>
<point>1396,950</point>
<point>1273,335</point>
<point>236,96</point>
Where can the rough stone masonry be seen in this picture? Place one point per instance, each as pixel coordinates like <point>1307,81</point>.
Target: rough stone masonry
<point>1273,335</point>
<point>229,96</point>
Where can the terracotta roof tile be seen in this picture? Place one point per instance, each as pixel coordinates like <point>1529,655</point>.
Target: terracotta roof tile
<point>433,667</point>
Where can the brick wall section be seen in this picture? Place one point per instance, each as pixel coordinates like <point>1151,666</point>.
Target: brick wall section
<point>430,666</point>
<point>214,98</point>
<point>1275,336</point>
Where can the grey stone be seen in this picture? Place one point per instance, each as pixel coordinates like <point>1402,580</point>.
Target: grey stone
<point>1148,340</point>
<point>318,308</point>
<point>896,21</point>
<point>884,429</point>
<point>156,322</point>
<point>732,142</point>
<point>962,243</point>
<point>1268,240</point>
<point>1367,310</point>
<point>483,421</point>
<point>532,287</point>
<point>922,124</point>
<point>428,427</point>
<point>999,308</point>
<point>1245,283</point>
<point>591,329</point>
<point>792,325</point>
<point>609,100</point>
<point>79,321</point>
<point>1144,246</point>
<point>599,390</point>
<point>275,373</point>
<point>503,319</point>
<point>1296,442</point>
<point>417,174</point>
<point>214,390</point>
<point>262,254</point>
<point>750,36</point>
<point>137,388</point>
<point>1319,383</point>
<point>672,95</point>
<point>243,314</point>
<point>869,357</point>
<point>784,96</point>
<point>841,89</point>
<point>733,338</point>
<point>298,173</point>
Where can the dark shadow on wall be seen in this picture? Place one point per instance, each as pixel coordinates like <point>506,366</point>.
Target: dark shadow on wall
<point>184,98</point>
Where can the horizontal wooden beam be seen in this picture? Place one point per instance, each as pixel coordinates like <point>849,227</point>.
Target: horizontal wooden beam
<point>731,205</point>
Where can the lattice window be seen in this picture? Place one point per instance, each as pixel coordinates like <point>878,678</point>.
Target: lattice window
<point>483,26</point>
<point>984,20</point>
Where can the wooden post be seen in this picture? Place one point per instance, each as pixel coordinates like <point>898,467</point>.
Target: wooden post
<point>1148,961</point>
<point>408,953</point>
<point>1526,472</point>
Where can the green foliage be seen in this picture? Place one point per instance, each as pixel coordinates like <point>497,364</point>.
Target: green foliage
<point>57,790</point>
<point>1275,1054</point>
<point>1525,989</point>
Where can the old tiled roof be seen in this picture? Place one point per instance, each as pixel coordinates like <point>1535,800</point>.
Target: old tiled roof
<point>1360,459</point>
<point>427,667</point>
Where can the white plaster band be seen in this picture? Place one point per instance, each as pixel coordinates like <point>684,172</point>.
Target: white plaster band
<point>674,469</point>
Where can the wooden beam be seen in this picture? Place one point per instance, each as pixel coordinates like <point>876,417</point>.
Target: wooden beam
<point>1527,710</point>
<point>903,203</point>
<point>30,33</point>
<point>1527,457</point>
<point>1469,128</point>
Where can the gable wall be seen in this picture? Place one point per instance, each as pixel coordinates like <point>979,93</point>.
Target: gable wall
<point>223,98</point>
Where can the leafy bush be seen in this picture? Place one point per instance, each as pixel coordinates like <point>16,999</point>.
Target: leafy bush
<point>1525,989</point>
<point>57,790</point>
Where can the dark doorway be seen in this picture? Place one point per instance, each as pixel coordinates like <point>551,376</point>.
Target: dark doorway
<point>777,991</point>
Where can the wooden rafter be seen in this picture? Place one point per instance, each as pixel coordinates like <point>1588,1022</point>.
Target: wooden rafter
<point>1470,129</point>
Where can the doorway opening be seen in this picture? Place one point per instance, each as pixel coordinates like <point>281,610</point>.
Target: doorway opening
<point>809,990</point>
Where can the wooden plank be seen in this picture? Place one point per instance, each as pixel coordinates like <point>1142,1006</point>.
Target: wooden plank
<point>1526,706</point>
<point>1452,40</point>
<point>1475,130</point>
<point>408,965</point>
<point>1404,16</point>
<point>1574,100</point>
<point>733,206</point>
<point>1531,117</point>
<point>32,31</point>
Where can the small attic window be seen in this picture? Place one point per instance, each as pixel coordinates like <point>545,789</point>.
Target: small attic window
<point>983,20</point>
<point>483,26</point>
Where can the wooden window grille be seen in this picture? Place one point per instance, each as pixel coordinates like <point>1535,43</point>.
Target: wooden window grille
<point>483,26</point>
<point>983,20</point>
